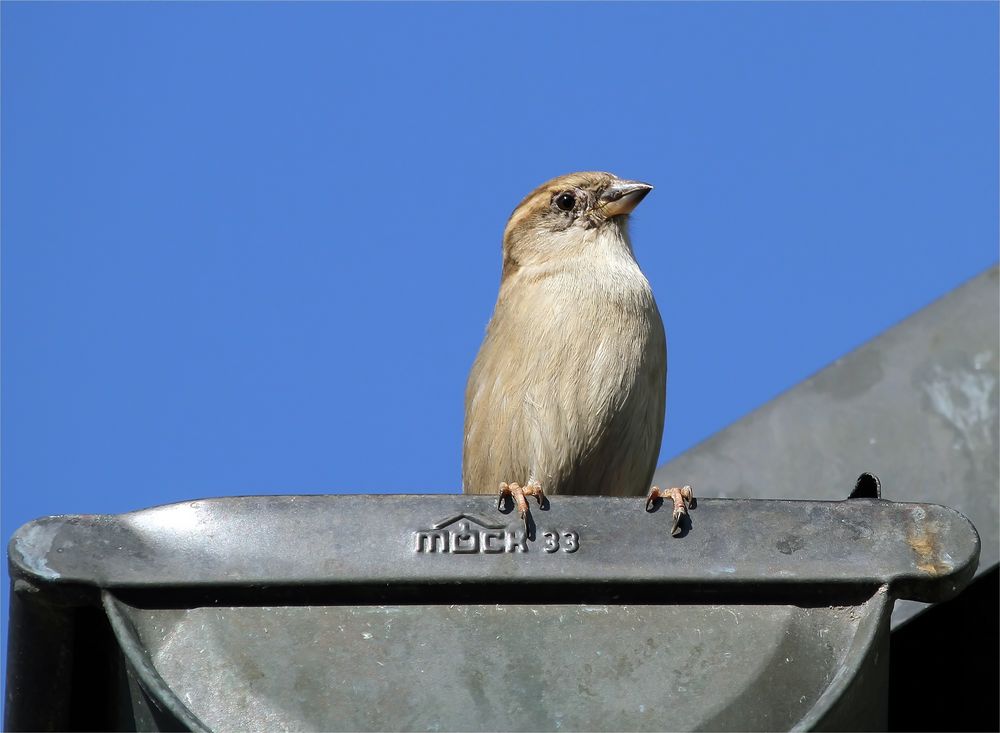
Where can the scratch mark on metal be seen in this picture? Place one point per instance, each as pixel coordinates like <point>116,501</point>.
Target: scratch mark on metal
<point>33,544</point>
<point>963,398</point>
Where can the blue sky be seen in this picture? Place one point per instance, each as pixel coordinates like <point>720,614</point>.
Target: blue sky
<point>252,248</point>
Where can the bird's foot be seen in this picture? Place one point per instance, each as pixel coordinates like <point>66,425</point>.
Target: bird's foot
<point>683,499</point>
<point>518,494</point>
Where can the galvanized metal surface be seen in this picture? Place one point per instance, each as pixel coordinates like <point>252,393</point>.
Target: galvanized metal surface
<point>919,406</point>
<point>291,544</point>
<point>438,612</point>
<point>506,666</point>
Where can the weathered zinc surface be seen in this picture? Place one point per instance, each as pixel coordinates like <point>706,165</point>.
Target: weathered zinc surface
<point>269,547</point>
<point>918,406</point>
<point>442,613</point>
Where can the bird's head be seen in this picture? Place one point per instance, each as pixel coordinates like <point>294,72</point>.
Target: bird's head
<point>570,216</point>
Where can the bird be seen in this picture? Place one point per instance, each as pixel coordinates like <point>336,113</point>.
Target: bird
<point>568,390</point>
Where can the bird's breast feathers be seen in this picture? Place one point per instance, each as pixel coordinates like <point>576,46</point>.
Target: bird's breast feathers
<point>568,350</point>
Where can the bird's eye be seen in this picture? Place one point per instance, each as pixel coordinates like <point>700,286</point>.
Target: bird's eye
<point>566,201</point>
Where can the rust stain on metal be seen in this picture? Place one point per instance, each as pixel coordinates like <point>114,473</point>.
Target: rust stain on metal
<point>923,540</point>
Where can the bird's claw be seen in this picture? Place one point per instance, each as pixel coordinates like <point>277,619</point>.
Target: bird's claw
<point>683,499</point>
<point>518,494</point>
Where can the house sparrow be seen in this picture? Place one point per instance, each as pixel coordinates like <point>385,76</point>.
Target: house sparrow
<point>568,389</point>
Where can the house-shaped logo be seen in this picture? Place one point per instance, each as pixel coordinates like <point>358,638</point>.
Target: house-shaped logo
<point>467,534</point>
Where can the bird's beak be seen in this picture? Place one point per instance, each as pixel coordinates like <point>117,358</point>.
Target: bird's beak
<point>623,196</point>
